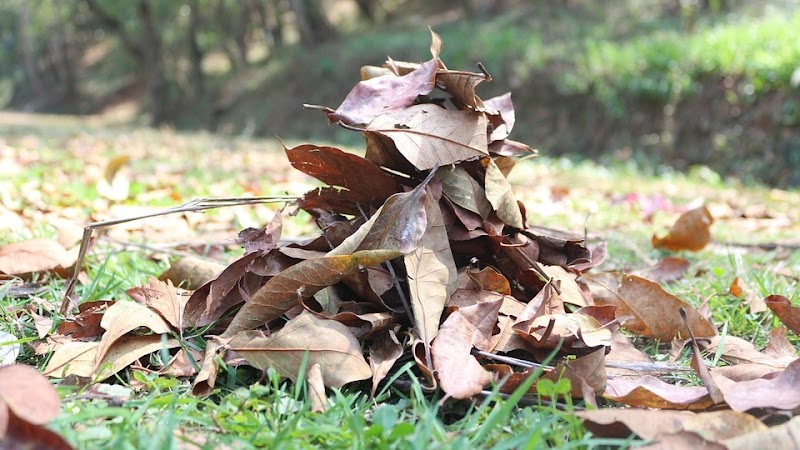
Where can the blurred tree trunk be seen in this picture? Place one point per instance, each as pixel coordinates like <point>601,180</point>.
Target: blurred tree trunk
<point>240,26</point>
<point>269,21</point>
<point>195,53</point>
<point>146,51</point>
<point>153,63</point>
<point>28,51</point>
<point>369,9</point>
<point>311,22</point>
<point>227,26</point>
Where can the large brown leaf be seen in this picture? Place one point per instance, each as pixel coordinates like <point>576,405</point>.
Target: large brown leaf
<point>327,342</point>
<point>285,290</point>
<point>645,308</point>
<point>460,376</point>
<point>461,85</point>
<point>384,94</point>
<point>504,121</point>
<point>690,232</point>
<point>398,225</point>
<point>427,135</point>
<point>35,256</point>
<point>788,314</point>
<point>431,273</point>
<point>124,317</point>
<point>781,392</point>
<point>650,424</point>
<point>740,351</point>
<point>781,436</point>
<point>337,168</point>
<point>650,392</point>
<point>28,394</point>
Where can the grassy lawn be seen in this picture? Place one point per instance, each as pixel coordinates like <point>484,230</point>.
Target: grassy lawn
<point>50,168</point>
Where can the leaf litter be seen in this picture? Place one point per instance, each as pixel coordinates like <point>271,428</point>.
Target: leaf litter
<point>425,253</point>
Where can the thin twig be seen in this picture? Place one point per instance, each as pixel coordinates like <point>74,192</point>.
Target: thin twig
<point>198,204</point>
<point>647,367</point>
<point>512,361</point>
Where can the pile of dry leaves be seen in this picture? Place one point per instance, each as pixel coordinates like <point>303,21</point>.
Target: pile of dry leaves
<point>425,254</point>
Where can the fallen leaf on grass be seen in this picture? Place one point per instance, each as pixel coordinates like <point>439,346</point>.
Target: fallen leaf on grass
<point>667,269</point>
<point>781,392</point>
<point>650,392</point>
<point>654,424</point>
<point>501,195</point>
<point>36,256</point>
<point>740,351</point>
<point>645,308</point>
<point>16,433</point>
<point>459,373</point>
<point>304,279</point>
<point>781,436</point>
<point>690,232</point>
<point>587,375</point>
<point>788,314</point>
<point>699,365</point>
<point>115,185</point>
<point>327,342</point>
<point>28,394</point>
<point>740,289</point>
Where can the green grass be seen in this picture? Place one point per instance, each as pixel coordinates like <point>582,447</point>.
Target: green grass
<point>162,413</point>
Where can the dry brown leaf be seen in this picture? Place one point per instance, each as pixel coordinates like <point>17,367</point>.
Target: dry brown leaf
<point>788,314</point>
<point>191,272</point>
<point>36,256</point>
<point>16,433</point>
<point>285,290</point>
<point>327,342</point>
<point>645,308</point>
<point>72,358</point>
<point>667,269</point>
<point>587,375</point>
<point>431,274</point>
<point>464,190</point>
<point>699,365</point>
<point>623,351</point>
<point>570,291</point>
<point>376,96</point>
<point>206,379</point>
<point>459,373</point>
<point>28,394</point>
<point>383,353</point>
<point>506,115</point>
<point>690,232</point>
<point>427,135</point>
<point>501,195</point>
<point>316,389</point>
<point>781,436</point>
<point>740,289</point>
<point>124,317</point>
<point>162,298</point>
<point>658,425</point>
<point>781,392</point>
<point>650,392</point>
<point>739,351</point>
<point>488,279</point>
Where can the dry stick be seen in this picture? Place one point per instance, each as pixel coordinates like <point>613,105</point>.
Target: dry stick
<point>198,204</point>
<point>638,366</point>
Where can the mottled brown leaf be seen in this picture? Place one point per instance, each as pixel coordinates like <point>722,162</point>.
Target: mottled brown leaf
<point>38,256</point>
<point>431,273</point>
<point>346,170</point>
<point>461,85</point>
<point>690,232</point>
<point>124,317</point>
<point>375,96</point>
<point>427,135</point>
<point>740,289</point>
<point>327,342</point>
<point>460,376</point>
<point>788,314</point>
<point>285,290</point>
<point>503,122</point>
